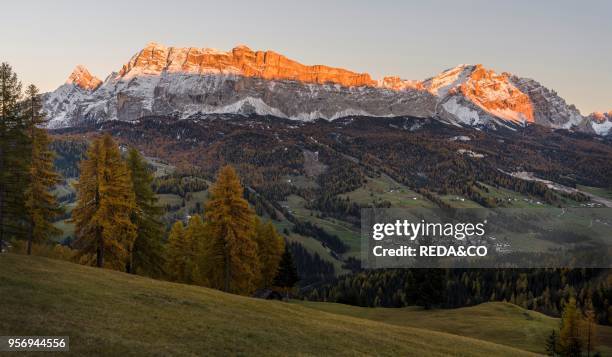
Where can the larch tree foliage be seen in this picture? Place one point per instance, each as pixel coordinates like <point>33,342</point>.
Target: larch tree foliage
<point>105,204</point>
<point>146,255</point>
<point>270,246</point>
<point>570,334</point>
<point>14,157</point>
<point>42,207</point>
<point>177,253</point>
<point>231,227</point>
<point>196,251</point>
<point>184,251</point>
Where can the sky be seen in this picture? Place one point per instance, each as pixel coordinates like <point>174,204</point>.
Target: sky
<point>565,45</point>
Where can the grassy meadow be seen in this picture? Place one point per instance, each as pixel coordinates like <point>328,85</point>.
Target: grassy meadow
<point>108,313</point>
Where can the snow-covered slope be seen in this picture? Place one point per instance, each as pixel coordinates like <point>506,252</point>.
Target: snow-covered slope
<point>601,123</point>
<point>64,105</point>
<point>182,82</point>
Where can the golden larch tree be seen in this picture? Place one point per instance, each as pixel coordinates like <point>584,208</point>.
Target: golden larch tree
<point>105,203</point>
<point>270,246</point>
<point>177,250</point>
<point>231,223</point>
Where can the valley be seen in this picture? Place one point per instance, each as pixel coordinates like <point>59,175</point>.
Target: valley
<point>322,173</point>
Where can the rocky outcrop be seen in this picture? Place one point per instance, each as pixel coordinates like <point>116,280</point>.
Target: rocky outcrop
<point>549,108</point>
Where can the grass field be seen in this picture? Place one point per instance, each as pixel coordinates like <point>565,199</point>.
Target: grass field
<point>108,313</point>
<point>497,322</point>
<point>597,191</point>
<point>345,231</point>
<point>384,188</point>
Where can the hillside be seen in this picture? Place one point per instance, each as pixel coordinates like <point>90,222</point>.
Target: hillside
<point>497,322</point>
<point>110,313</point>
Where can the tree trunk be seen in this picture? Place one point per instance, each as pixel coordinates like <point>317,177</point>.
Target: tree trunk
<point>589,341</point>
<point>129,266</point>
<point>100,251</point>
<point>1,219</point>
<point>226,259</point>
<point>30,236</point>
<point>30,220</point>
<point>1,203</point>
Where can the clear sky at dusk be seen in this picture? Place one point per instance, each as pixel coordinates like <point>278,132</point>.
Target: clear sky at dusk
<point>566,45</point>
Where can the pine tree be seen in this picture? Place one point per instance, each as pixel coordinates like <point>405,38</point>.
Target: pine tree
<point>41,205</point>
<point>551,344</point>
<point>231,223</point>
<point>287,275</point>
<point>14,157</point>
<point>570,339</point>
<point>105,204</point>
<point>146,256</point>
<point>270,247</point>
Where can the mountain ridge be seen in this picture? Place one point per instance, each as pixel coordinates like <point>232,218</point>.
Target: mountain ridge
<point>185,81</point>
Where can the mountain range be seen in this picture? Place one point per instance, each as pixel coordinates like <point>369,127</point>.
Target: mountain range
<point>193,82</point>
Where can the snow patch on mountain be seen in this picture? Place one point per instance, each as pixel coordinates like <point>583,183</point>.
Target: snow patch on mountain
<point>450,78</point>
<point>462,113</point>
<point>604,128</point>
<point>249,105</point>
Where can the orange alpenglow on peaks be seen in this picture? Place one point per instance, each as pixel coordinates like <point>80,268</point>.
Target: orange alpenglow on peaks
<point>495,94</point>
<point>241,60</point>
<point>601,117</point>
<point>81,77</point>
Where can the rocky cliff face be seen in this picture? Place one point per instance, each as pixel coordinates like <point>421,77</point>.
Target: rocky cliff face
<point>268,65</point>
<point>549,108</point>
<point>183,82</point>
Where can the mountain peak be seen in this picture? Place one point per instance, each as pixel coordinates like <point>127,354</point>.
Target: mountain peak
<point>153,44</point>
<point>601,117</point>
<point>81,77</point>
<point>494,93</point>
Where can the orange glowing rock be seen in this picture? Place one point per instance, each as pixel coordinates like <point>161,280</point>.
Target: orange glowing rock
<point>495,94</point>
<point>81,77</point>
<point>241,60</point>
<point>396,83</point>
<point>492,92</point>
